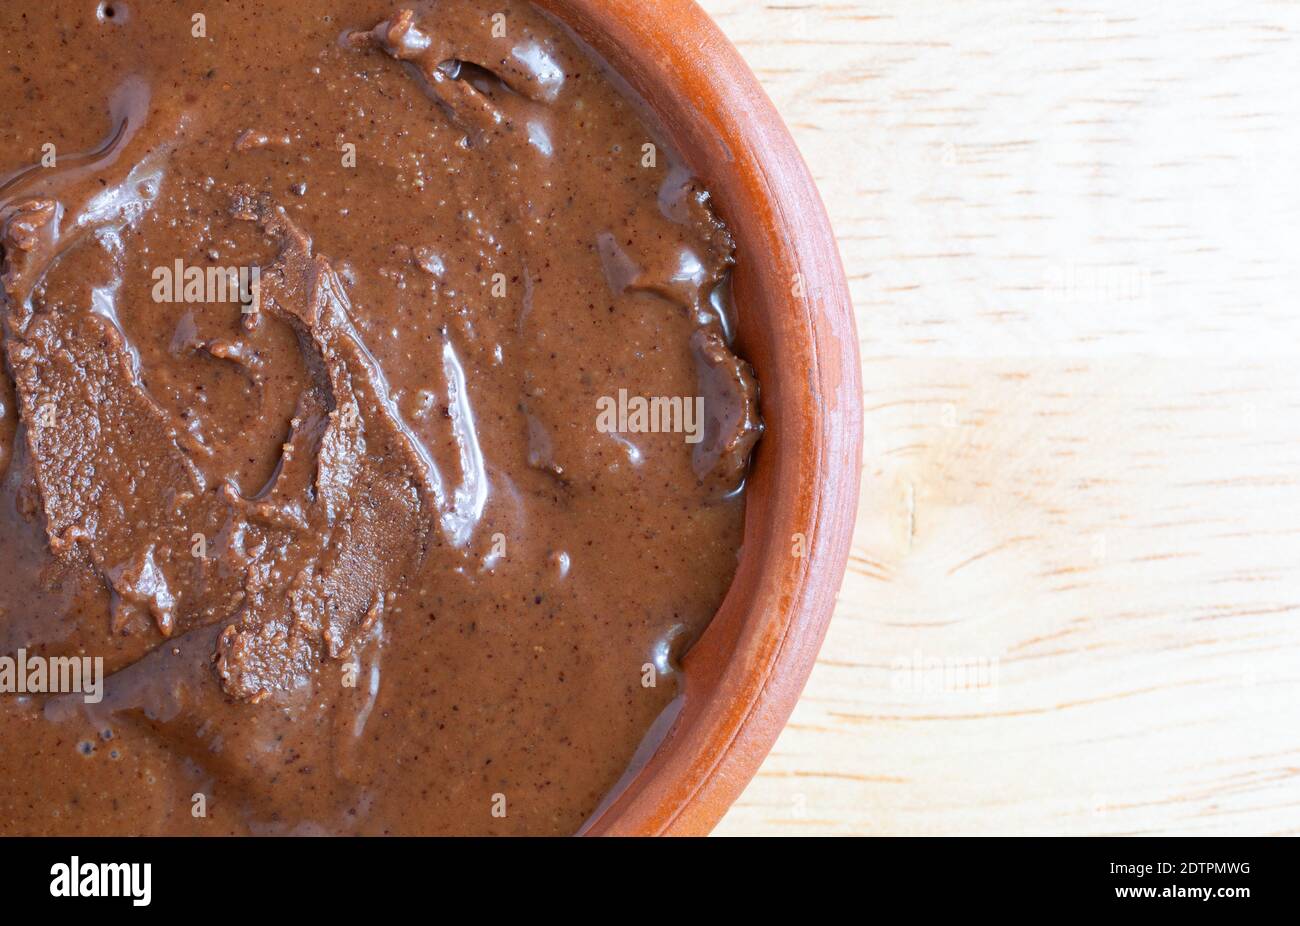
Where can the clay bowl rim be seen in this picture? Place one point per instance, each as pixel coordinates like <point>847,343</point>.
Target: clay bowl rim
<point>796,326</point>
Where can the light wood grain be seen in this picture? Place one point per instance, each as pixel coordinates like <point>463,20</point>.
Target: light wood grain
<point>1072,236</point>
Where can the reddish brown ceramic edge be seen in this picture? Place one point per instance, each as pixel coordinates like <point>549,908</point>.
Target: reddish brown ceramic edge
<point>745,674</point>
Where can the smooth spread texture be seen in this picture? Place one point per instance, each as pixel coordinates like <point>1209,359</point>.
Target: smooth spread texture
<point>308,313</point>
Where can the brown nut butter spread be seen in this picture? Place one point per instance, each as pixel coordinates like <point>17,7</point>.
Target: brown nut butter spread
<point>368,412</point>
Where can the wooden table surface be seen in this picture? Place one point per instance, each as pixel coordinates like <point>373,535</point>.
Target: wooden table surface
<point>1072,235</point>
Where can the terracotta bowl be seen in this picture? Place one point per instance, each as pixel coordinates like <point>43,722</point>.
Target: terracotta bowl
<point>745,674</point>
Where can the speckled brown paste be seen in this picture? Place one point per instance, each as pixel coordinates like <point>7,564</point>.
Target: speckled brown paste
<point>350,541</point>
